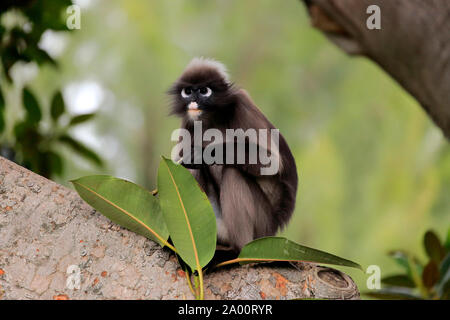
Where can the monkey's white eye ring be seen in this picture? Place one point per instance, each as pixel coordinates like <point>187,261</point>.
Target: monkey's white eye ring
<point>186,92</point>
<point>205,91</point>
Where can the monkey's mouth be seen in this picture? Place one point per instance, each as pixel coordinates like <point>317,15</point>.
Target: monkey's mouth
<point>193,109</point>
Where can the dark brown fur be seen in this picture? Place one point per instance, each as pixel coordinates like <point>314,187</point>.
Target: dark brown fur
<point>250,205</point>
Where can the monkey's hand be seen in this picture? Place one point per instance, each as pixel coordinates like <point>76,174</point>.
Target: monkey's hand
<point>243,156</point>
<point>192,159</point>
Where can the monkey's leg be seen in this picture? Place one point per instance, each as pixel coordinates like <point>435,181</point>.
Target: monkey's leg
<point>246,212</point>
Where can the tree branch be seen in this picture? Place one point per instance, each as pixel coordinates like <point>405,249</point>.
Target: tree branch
<point>413,45</point>
<point>45,228</point>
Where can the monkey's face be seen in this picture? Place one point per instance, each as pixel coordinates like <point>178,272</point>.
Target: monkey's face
<point>201,93</point>
<point>196,100</point>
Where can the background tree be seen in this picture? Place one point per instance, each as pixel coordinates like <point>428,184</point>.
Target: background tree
<point>32,139</point>
<point>413,44</point>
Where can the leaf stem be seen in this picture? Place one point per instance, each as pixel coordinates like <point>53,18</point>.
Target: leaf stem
<point>227,262</point>
<point>417,278</point>
<point>171,247</point>
<point>200,276</point>
<point>197,295</point>
<point>188,279</point>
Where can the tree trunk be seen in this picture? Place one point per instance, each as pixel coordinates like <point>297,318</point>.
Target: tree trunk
<point>413,44</point>
<point>47,231</point>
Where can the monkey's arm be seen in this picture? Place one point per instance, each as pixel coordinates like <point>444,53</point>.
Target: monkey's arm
<point>242,156</point>
<point>193,158</point>
<point>245,157</point>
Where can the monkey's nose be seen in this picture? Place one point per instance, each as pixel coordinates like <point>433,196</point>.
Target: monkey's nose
<point>193,106</point>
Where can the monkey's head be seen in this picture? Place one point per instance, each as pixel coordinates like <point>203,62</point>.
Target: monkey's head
<point>203,91</point>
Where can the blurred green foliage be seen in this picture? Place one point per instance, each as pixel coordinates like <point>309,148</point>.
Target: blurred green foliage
<point>27,142</point>
<point>420,281</point>
<point>374,171</point>
<point>30,19</point>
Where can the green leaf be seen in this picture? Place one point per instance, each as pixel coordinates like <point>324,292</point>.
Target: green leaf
<point>401,257</point>
<point>57,106</point>
<point>406,261</point>
<point>81,149</point>
<point>430,274</point>
<point>37,54</point>
<point>55,162</point>
<point>393,294</point>
<point>188,214</point>
<point>415,272</point>
<point>399,280</point>
<point>20,130</point>
<point>282,249</point>
<point>444,282</point>
<point>81,118</point>
<point>433,246</point>
<point>48,163</point>
<point>31,105</point>
<point>445,265</point>
<point>125,203</point>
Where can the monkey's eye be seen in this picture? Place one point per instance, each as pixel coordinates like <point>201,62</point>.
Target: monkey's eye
<point>186,92</point>
<point>205,91</point>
